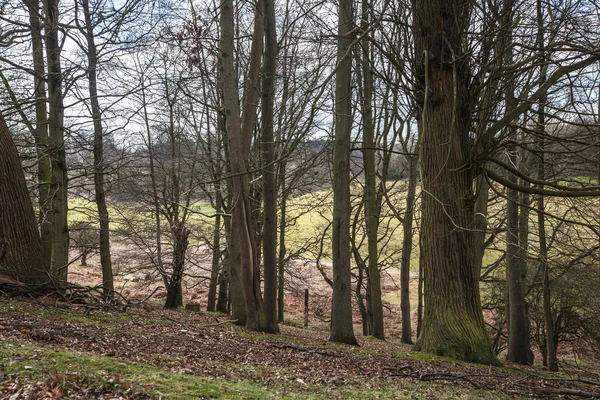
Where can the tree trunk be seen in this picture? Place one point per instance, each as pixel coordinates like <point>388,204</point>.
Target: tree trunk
<point>216,256</point>
<point>180,244</point>
<point>481,215</point>
<point>269,241</point>
<point>56,147</point>
<point>282,247</point>
<point>518,332</point>
<point>223,289</point>
<point>103,217</point>
<point>158,261</point>
<point>239,139</point>
<point>41,128</point>
<point>234,267</point>
<point>420,301</point>
<point>21,252</point>
<point>341,305</point>
<point>407,243</point>
<point>551,343</point>
<point>453,323</point>
<point>372,209</point>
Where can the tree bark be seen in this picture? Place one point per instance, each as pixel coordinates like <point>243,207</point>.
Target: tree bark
<point>341,306</point>
<point>453,323</point>
<point>21,251</point>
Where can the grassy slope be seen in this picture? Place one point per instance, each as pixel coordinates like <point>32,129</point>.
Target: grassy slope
<point>67,362</point>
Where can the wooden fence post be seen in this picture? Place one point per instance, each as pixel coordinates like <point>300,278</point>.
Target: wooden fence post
<point>305,307</point>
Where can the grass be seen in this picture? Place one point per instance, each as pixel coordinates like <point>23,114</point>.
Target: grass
<point>67,370</point>
<point>34,362</point>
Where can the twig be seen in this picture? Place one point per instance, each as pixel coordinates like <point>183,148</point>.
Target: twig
<point>218,323</point>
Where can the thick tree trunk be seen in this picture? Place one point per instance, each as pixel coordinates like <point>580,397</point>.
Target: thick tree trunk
<point>341,306</point>
<point>269,240</point>
<point>103,217</point>
<point>453,323</point>
<point>21,252</point>
<point>41,128</point>
<point>56,147</point>
<point>407,243</point>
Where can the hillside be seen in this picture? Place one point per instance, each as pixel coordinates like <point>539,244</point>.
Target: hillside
<point>57,350</point>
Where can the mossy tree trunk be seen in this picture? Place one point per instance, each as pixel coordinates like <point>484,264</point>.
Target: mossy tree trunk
<point>453,323</point>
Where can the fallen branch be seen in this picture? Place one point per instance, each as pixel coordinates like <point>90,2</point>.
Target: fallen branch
<point>218,323</point>
<point>298,348</point>
<point>443,376</point>
<point>578,380</point>
<point>556,392</point>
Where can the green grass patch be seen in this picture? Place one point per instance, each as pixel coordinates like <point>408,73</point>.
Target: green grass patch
<point>67,370</point>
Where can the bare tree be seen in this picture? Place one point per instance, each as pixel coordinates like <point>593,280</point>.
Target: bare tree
<point>341,306</point>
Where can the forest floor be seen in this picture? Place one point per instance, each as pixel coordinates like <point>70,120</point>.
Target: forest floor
<point>52,349</point>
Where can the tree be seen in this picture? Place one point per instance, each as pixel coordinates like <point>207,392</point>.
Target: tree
<point>268,167</point>
<point>56,145</point>
<point>453,323</point>
<point>239,137</point>
<point>518,331</point>
<point>41,127</point>
<point>21,252</point>
<point>372,205</point>
<point>341,304</point>
<point>99,162</point>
